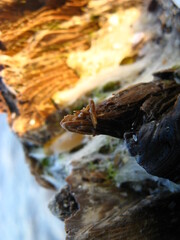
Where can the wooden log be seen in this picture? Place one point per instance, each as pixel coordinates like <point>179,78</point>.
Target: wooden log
<point>147,116</point>
<point>106,212</point>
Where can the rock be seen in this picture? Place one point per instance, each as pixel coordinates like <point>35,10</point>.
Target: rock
<point>61,56</point>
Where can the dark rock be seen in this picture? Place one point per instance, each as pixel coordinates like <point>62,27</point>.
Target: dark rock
<point>64,204</point>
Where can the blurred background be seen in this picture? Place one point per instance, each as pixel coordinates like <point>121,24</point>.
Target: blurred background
<point>24,214</point>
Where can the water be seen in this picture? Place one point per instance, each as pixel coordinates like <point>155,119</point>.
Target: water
<point>24,214</point>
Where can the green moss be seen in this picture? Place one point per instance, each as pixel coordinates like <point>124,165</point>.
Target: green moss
<point>46,162</point>
<point>111,86</point>
<point>98,94</point>
<point>111,172</point>
<point>78,105</point>
<point>110,146</point>
<point>101,93</point>
<point>176,67</point>
<point>92,166</point>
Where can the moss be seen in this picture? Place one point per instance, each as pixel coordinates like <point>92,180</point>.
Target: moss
<point>175,67</point>
<point>111,86</point>
<point>101,93</point>
<point>46,162</point>
<point>92,166</point>
<point>98,93</point>
<point>111,172</point>
<point>110,146</point>
<point>78,105</point>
